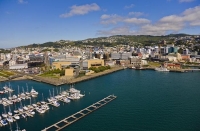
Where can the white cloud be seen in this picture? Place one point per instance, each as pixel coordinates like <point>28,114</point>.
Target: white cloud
<point>22,2</point>
<point>136,14</point>
<point>105,16</point>
<point>111,19</point>
<point>137,21</point>
<point>192,15</point>
<point>116,31</point>
<point>129,6</point>
<point>181,1</point>
<point>114,19</point>
<point>167,24</point>
<point>81,10</point>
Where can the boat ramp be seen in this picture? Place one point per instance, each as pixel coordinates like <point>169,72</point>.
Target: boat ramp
<point>73,118</point>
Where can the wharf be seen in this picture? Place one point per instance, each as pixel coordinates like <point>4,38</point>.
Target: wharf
<point>95,75</point>
<point>73,118</point>
<point>171,70</point>
<point>175,70</point>
<point>59,82</point>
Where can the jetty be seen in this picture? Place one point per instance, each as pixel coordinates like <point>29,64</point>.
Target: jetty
<point>80,114</point>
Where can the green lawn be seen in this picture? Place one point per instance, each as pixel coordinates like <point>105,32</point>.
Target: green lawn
<point>6,73</point>
<point>50,75</point>
<point>154,64</point>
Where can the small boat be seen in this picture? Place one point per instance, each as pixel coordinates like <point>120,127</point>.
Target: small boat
<point>31,112</point>
<point>49,100</point>
<point>162,69</point>
<point>24,115</point>
<point>56,104</point>
<point>4,114</point>
<point>14,97</point>
<point>9,112</point>
<point>33,92</point>
<point>66,100</point>
<point>20,109</point>
<point>9,102</point>
<point>9,119</point>
<point>4,122</point>
<point>81,95</point>
<point>34,105</point>
<point>27,93</point>
<point>16,117</point>
<point>25,108</point>
<point>16,111</point>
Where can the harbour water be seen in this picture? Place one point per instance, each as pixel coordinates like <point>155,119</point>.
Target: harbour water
<point>146,100</point>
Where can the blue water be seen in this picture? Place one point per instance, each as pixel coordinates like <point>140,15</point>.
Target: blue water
<point>146,100</point>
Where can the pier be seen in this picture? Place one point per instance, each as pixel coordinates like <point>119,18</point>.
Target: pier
<point>80,114</point>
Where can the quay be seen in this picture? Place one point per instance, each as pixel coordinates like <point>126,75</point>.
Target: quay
<point>59,82</point>
<point>73,118</point>
<point>95,75</point>
<point>175,70</point>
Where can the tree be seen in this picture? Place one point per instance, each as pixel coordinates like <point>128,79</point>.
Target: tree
<point>180,50</point>
<point>56,50</point>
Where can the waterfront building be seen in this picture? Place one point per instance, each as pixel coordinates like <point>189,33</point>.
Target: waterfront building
<point>106,56</point>
<point>185,57</point>
<point>115,56</point>
<point>60,64</point>
<point>70,72</point>
<point>135,60</point>
<point>18,66</point>
<point>125,55</point>
<point>173,65</point>
<point>92,63</point>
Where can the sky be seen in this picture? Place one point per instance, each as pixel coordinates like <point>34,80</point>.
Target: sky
<point>24,22</point>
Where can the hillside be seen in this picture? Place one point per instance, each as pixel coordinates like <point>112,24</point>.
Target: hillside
<point>111,41</point>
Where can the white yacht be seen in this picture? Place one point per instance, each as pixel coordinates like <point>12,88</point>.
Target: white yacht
<point>9,112</point>
<point>25,108</point>
<point>55,103</point>
<point>163,69</point>
<point>16,117</point>
<point>16,111</point>
<point>33,92</point>
<point>9,119</point>
<point>4,122</point>
<point>4,115</point>
<point>66,100</point>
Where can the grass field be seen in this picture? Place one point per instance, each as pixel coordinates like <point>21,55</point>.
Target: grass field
<point>6,73</point>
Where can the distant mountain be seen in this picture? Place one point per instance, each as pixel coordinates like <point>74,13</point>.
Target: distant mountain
<point>111,40</point>
<point>179,35</point>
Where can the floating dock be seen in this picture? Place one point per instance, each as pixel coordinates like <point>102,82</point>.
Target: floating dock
<point>73,118</point>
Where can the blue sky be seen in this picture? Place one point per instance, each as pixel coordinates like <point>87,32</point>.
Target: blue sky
<point>24,22</point>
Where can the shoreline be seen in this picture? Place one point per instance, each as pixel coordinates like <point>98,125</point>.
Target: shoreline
<point>58,82</point>
<point>95,75</point>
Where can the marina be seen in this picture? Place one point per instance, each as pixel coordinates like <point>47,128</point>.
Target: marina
<point>30,110</point>
<point>81,113</point>
<point>139,104</point>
